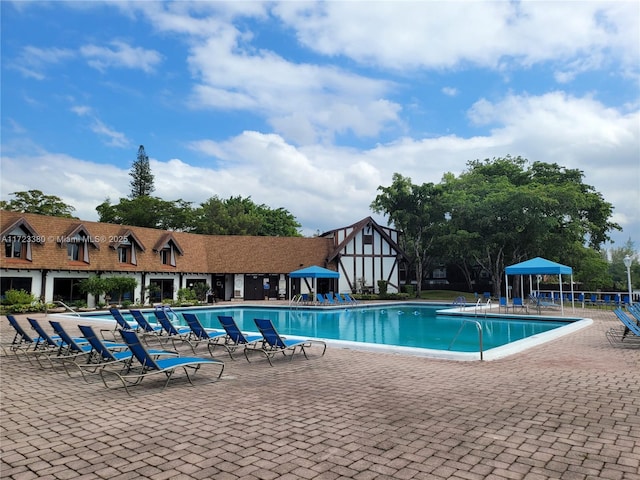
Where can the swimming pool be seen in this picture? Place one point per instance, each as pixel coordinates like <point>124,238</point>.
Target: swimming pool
<point>418,329</point>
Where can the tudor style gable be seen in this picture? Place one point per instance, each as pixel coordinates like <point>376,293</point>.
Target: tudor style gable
<point>366,253</point>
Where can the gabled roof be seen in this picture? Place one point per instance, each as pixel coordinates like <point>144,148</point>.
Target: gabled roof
<point>215,254</point>
<point>82,231</point>
<point>118,240</point>
<point>165,240</point>
<point>24,225</point>
<point>357,228</point>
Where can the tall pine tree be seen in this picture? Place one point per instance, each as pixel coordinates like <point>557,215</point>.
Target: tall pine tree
<point>142,183</point>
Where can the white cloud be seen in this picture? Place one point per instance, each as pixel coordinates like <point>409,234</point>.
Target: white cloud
<point>450,91</point>
<point>307,105</point>
<point>304,102</point>
<point>328,186</point>
<point>34,61</point>
<point>402,35</point>
<point>112,137</point>
<point>121,55</point>
<point>77,182</point>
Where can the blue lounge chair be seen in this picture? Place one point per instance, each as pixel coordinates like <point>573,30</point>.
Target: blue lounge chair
<point>148,365</point>
<point>617,337</point>
<point>168,327</point>
<point>350,299</point>
<point>22,342</point>
<point>273,343</point>
<point>144,326</point>
<point>328,298</point>
<point>320,298</point>
<point>234,338</point>
<point>199,334</point>
<point>121,322</point>
<point>105,356</point>
<point>20,337</point>
<point>68,348</point>
<point>542,303</point>
<point>48,341</point>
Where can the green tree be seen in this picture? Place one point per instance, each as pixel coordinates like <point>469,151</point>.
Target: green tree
<point>618,271</point>
<point>241,216</point>
<point>142,178</point>
<point>498,212</point>
<point>417,211</point>
<point>120,285</point>
<point>34,201</point>
<point>93,285</point>
<point>146,211</point>
<point>504,211</point>
<point>277,223</point>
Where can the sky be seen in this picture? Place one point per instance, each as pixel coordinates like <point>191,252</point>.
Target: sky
<point>311,106</point>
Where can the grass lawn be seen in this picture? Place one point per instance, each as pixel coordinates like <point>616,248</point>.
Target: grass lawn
<point>446,295</point>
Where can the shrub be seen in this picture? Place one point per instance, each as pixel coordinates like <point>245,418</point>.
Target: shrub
<point>186,295</point>
<point>18,297</point>
<point>410,290</point>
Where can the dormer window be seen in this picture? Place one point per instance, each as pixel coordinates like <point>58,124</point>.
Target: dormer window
<point>167,248</point>
<point>77,242</point>
<point>77,250</point>
<point>126,245</point>
<point>18,239</point>
<point>167,257</point>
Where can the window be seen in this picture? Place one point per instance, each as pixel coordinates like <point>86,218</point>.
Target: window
<point>73,252</point>
<point>168,256</point>
<point>13,249</point>
<point>124,254</point>
<point>440,272</point>
<point>14,283</point>
<point>367,236</point>
<point>78,248</point>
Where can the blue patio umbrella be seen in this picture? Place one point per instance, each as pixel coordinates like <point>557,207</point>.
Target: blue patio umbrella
<point>540,266</point>
<point>313,272</point>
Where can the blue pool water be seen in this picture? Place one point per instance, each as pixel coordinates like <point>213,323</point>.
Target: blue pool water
<point>400,325</point>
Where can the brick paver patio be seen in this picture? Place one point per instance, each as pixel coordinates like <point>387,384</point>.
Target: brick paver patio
<point>569,409</point>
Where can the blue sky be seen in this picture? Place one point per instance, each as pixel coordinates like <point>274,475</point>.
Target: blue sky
<point>311,106</point>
